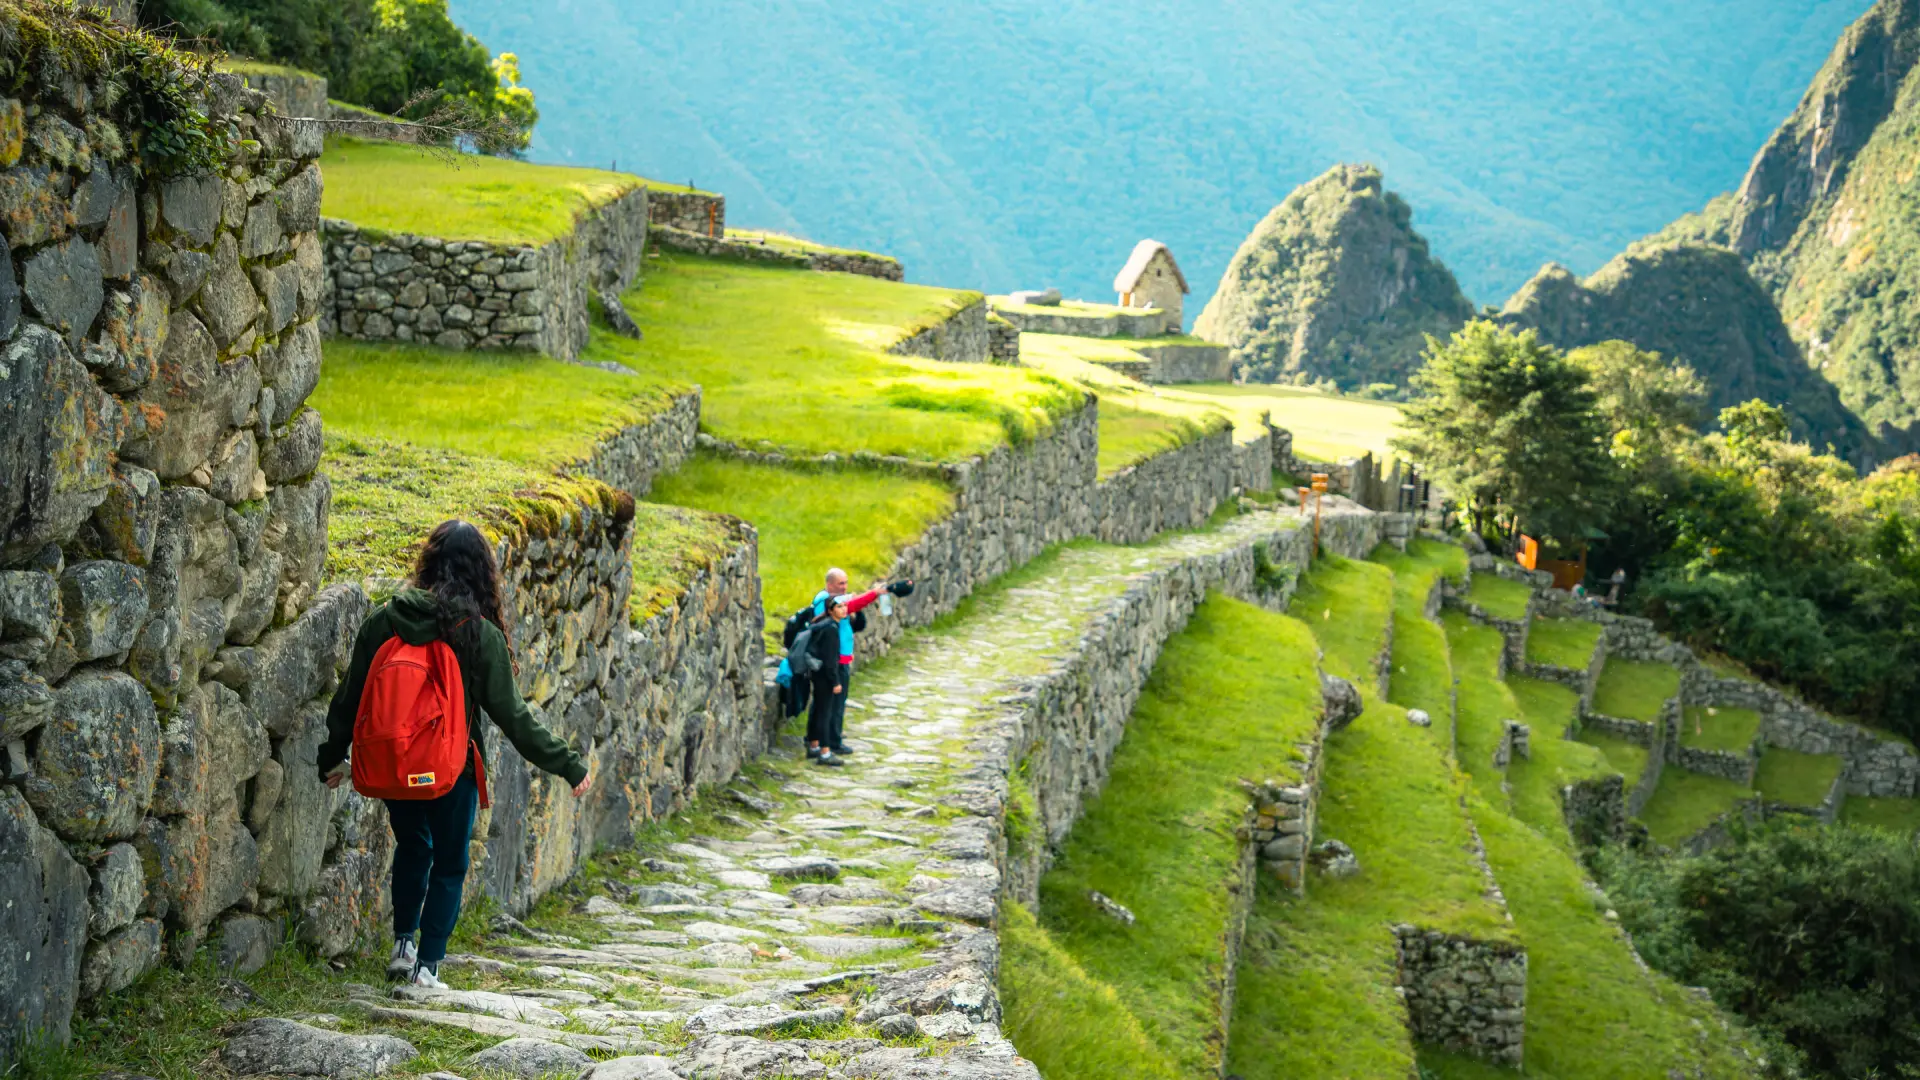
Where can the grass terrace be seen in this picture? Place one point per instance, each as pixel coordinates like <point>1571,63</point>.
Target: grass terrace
<point>796,360</point>
<point>809,519</point>
<point>1326,427</point>
<point>1502,598</point>
<point>1629,759</point>
<point>1485,701</point>
<point>1686,802</point>
<point>513,406</point>
<point>1422,674</point>
<point>1231,697</point>
<point>1316,992</point>
<point>396,187</point>
<point>1635,689</point>
<point>1796,779</point>
<point>1900,815</point>
<point>1535,782</point>
<point>1137,421</point>
<point>793,245</point>
<point>1078,308</point>
<point>1056,1012</point>
<point>1718,727</point>
<point>1566,643</point>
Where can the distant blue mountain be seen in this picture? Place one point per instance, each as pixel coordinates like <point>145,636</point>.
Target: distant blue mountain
<point>1021,143</point>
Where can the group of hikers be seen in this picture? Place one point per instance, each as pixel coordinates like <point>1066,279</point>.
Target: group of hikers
<point>817,673</point>
<point>433,666</point>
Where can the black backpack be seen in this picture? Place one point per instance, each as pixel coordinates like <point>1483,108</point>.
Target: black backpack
<point>796,622</point>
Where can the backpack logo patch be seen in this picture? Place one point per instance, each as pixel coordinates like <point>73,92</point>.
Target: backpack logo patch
<point>420,779</point>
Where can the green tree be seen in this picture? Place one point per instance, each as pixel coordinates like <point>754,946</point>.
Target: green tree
<point>395,56</point>
<point>1808,932</point>
<point>1513,429</point>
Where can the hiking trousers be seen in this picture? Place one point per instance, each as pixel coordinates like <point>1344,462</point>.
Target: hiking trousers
<point>430,864</point>
<point>820,709</point>
<point>837,716</point>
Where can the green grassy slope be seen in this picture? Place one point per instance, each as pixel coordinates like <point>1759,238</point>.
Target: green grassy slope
<point>1231,697</point>
<point>1499,597</point>
<point>1422,671</point>
<point>797,360</point>
<point>1567,643</point>
<point>1635,689</point>
<point>1317,993</point>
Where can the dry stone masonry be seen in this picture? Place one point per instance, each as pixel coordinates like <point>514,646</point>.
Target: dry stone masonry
<point>163,516</point>
<point>1464,994</point>
<point>960,338</point>
<point>845,262</point>
<point>472,294</point>
<point>688,211</point>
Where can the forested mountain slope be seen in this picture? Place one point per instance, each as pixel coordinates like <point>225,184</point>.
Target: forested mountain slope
<point>996,144</point>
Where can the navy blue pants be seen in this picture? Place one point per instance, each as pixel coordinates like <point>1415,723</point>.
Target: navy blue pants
<point>430,864</point>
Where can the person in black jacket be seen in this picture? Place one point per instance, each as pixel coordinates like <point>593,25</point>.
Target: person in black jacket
<point>829,681</point>
<point>455,598</point>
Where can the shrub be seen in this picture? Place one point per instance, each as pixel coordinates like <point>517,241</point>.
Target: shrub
<point>1806,931</point>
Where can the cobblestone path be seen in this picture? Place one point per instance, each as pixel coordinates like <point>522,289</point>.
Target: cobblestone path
<point>809,921</point>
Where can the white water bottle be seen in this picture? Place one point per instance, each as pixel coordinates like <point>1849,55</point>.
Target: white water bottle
<point>886,603</point>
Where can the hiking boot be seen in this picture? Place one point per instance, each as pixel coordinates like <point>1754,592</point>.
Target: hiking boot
<point>812,752</point>
<point>424,976</point>
<point>843,751</point>
<point>405,957</point>
<point>829,759</point>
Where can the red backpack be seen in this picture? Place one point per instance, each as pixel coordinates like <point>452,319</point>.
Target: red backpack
<point>410,739</point>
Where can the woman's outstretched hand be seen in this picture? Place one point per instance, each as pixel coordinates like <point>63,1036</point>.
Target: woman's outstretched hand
<point>580,788</point>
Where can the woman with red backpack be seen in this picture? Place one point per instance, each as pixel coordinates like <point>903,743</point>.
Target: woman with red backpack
<point>427,666</point>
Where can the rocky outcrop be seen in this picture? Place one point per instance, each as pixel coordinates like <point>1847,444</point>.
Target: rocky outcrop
<point>472,294</point>
<point>1698,304</point>
<point>1334,284</point>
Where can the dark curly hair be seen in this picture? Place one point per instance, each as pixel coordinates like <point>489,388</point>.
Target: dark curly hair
<point>456,565</point>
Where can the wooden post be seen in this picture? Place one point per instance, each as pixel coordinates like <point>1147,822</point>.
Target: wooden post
<point>1319,488</point>
<point>713,217</point>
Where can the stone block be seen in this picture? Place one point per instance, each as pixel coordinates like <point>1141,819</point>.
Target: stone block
<point>298,662</point>
<point>133,332</point>
<point>34,207</point>
<point>58,431</point>
<point>228,301</point>
<point>279,289</point>
<point>97,758</point>
<point>119,246</point>
<point>1341,700</point>
<point>43,928</point>
<point>268,783</point>
<point>297,201</point>
<point>104,604</point>
<point>192,205</point>
<point>119,889</point>
<point>310,274</point>
<point>296,452</point>
<point>293,370</point>
<point>259,597</point>
<point>235,466</point>
<point>118,961</point>
<point>196,397</point>
<point>212,744</point>
<point>94,197</point>
<point>262,234</point>
<point>187,272</point>
<point>284,1047</point>
<point>128,519</point>
<point>25,703</point>
<point>63,284</point>
<point>29,604</point>
<point>247,943</point>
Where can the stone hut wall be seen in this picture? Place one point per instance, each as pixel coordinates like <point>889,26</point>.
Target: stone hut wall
<point>162,626</point>
<point>688,211</point>
<point>474,294</point>
<point>960,338</point>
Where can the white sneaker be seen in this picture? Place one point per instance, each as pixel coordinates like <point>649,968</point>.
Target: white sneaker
<point>426,978</point>
<point>405,957</point>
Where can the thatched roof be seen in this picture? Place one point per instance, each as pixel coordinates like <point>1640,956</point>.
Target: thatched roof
<point>1143,253</point>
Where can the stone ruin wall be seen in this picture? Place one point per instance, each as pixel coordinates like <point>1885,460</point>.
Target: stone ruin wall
<point>693,212</point>
<point>165,530</point>
<point>843,262</point>
<point>631,458</point>
<point>473,294</point>
<point>960,338</point>
<point>1464,994</point>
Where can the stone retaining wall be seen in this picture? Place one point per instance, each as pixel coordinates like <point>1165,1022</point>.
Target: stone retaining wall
<point>1145,323</point>
<point>843,262</point>
<point>1003,340</point>
<point>1186,363</point>
<point>1721,763</point>
<point>694,212</point>
<point>960,338</point>
<point>165,533</point>
<point>478,295</point>
<point>1177,489</point>
<point>1876,766</point>
<point>1463,994</point>
<point>630,458</point>
<point>291,93</point>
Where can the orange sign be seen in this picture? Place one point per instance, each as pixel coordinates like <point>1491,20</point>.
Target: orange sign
<point>1320,481</point>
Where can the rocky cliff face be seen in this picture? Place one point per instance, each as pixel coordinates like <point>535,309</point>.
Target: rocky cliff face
<point>1695,302</point>
<point>1334,284</point>
<point>1827,224</point>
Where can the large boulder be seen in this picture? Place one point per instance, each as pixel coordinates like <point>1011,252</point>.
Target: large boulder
<point>58,431</point>
<point>294,839</point>
<point>197,398</point>
<point>532,1059</point>
<point>228,301</point>
<point>117,961</point>
<point>98,755</point>
<point>104,603</point>
<point>286,1048</point>
<point>1341,700</point>
<point>63,283</point>
<point>43,928</point>
<point>299,661</point>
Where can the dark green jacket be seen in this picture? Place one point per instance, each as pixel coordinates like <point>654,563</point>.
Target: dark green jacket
<point>488,676</point>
